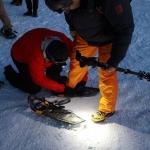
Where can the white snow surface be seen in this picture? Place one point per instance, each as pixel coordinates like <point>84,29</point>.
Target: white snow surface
<point>127,129</point>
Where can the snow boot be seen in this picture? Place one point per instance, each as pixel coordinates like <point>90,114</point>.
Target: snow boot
<point>82,90</point>
<point>34,14</point>
<point>10,73</point>
<point>101,116</point>
<point>8,33</point>
<point>16,2</point>
<point>28,13</point>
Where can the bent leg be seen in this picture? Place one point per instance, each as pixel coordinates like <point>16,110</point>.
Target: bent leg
<point>21,80</point>
<point>76,73</point>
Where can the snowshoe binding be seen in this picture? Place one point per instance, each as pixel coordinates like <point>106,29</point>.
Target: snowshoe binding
<point>54,110</point>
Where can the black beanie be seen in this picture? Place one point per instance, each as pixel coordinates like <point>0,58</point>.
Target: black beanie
<point>57,51</point>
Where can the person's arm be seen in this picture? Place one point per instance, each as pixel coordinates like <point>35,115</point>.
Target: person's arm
<point>37,71</point>
<point>119,15</point>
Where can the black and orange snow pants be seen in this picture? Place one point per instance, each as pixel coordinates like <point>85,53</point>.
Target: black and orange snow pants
<point>108,83</point>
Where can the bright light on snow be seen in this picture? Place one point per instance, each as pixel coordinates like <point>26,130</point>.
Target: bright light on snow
<point>92,132</point>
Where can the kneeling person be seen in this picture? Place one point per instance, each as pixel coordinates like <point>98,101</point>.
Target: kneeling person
<point>39,56</point>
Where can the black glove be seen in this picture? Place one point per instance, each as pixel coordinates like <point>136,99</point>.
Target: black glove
<point>70,92</point>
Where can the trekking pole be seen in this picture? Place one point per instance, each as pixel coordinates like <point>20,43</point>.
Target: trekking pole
<point>92,61</point>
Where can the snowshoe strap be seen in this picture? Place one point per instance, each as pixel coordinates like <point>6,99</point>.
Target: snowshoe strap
<point>62,102</point>
<point>40,105</point>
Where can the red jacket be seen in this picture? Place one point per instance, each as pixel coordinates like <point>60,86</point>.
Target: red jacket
<point>27,49</point>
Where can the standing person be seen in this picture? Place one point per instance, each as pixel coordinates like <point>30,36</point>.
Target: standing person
<point>105,26</point>
<point>32,7</point>
<point>16,2</point>
<point>6,30</point>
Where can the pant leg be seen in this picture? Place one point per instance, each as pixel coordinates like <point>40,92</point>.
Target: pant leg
<point>18,1</point>
<point>76,73</point>
<point>4,16</point>
<point>35,5</point>
<point>29,5</point>
<point>25,81</point>
<point>108,83</point>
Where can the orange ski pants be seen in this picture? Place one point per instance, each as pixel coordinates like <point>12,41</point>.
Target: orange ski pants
<point>108,83</point>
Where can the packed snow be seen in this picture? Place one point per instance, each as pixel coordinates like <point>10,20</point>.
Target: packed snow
<point>127,129</point>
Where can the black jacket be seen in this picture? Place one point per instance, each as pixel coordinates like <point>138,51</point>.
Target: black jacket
<point>102,22</point>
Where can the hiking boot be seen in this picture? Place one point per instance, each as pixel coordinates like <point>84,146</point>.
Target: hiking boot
<point>86,91</point>
<point>8,33</point>
<point>83,90</point>
<point>28,13</point>
<point>15,3</point>
<point>101,116</point>
<point>8,67</point>
<point>34,14</point>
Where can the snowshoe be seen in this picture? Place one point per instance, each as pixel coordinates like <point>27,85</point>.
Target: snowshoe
<point>54,110</point>
<point>8,33</point>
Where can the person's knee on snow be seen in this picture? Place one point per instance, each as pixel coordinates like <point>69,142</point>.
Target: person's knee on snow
<point>47,49</point>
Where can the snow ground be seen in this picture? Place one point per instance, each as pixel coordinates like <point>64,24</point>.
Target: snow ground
<point>128,129</point>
